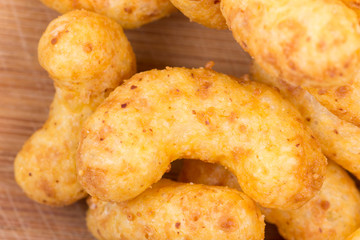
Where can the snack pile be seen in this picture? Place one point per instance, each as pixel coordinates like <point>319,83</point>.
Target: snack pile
<point>261,141</point>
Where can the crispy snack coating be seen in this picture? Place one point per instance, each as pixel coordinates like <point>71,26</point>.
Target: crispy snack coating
<point>205,12</point>
<point>87,55</point>
<point>343,101</point>
<point>339,139</point>
<point>129,14</point>
<point>158,116</point>
<point>171,210</point>
<point>135,13</point>
<point>306,42</point>
<point>334,213</point>
<point>355,235</point>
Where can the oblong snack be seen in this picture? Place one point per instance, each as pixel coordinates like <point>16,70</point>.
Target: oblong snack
<point>306,42</point>
<point>134,13</point>
<point>332,214</point>
<point>87,55</point>
<point>355,235</point>
<point>158,116</point>
<point>205,12</point>
<point>129,14</point>
<point>171,210</point>
<point>339,139</point>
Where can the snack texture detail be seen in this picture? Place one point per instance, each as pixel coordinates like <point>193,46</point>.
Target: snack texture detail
<point>172,210</point>
<point>159,116</point>
<point>87,55</point>
<point>304,42</point>
<point>129,14</point>
<point>332,214</point>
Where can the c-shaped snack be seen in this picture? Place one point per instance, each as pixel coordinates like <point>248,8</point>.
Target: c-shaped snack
<point>158,116</point>
<point>171,210</point>
<point>205,12</point>
<point>332,214</point>
<point>339,139</point>
<point>87,55</point>
<point>128,13</point>
<point>306,42</point>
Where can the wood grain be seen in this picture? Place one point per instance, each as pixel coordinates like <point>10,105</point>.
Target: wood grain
<point>26,92</point>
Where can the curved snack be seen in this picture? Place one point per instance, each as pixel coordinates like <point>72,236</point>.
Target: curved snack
<point>343,101</point>
<point>334,213</point>
<point>355,235</point>
<point>306,42</point>
<point>158,116</point>
<point>87,55</point>
<point>172,210</point>
<point>205,12</point>
<point>129,14</point>
<point>339,139</point>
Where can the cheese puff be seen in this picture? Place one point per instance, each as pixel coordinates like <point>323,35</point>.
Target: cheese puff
<point>332,214</point>
<point>305,42</point>
<point>87,55</point>
<point>129,14</point>
<point>343,101</point>
<point>159,116</point>
<point>339,139</point>
<point>171,210</point>
<point>205,12</point>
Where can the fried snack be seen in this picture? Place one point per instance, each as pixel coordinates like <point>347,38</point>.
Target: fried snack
<point>135,13</point>
<point>129,14</point>
<point>339,139</point>
<point>355,235</point>
<point>171,210</point>
<point>64,6</point>
<point>343,101</point>
<point>158,116</point>
<point>306,42</point>
<point>205,12</point>
<point>87,55</point>
<point>334,213</point>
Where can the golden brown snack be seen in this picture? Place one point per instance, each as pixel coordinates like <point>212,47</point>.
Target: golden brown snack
<point>355,235</point>
<point>306,42</point>
<point>353,4</point>
<point>64,6</point>
<point>334,213</point>
<point>158,116</point>
<point>343,101</point>
<point>135,13</point>
<point>171,210</point>
<point>205,12</point>
<point>129,14</point>
<point>87,55</point>
<point>339,139</point>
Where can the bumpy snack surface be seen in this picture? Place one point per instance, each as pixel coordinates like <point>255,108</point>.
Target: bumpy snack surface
<point>306,42</point>
<point>129,14</point>
<point>87,55</point>
<point>158,116</point>
<point>205,12</point>
<point>332,214</point>
<point>339,139</point>
<point>172,210</point>
<point>343,101</point>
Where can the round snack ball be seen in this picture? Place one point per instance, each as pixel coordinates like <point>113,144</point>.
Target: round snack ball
<point>205,12</point>
<point>95,48</point>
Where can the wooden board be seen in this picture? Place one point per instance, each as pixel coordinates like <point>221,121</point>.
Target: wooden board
<point>26,92</point>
